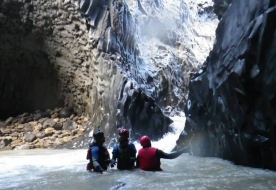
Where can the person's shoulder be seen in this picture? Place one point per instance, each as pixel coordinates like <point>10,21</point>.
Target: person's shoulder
<point>95,148</point>
<point>159,151</point>
<point>91,144</point>
<point>131,145</point>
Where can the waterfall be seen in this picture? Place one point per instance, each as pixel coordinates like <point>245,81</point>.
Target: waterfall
<point>174,38</point>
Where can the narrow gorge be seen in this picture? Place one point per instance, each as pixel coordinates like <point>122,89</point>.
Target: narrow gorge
<point>137,63</point>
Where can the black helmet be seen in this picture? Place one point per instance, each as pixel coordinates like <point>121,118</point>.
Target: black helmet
<point>98,134</point>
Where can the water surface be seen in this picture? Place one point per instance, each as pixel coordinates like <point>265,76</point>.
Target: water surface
<point>65,169</point>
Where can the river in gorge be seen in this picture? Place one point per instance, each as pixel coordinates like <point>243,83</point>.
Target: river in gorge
<point>53,169</point>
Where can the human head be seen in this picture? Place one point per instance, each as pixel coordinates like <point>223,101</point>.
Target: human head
<point>123,135</point>
<point>99,137</point>
<point>145,141</point>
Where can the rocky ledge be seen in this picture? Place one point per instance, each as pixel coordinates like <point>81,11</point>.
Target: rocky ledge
<point>49,129</point>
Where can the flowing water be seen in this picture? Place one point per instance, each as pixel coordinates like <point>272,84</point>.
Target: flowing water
<point>66,169</point>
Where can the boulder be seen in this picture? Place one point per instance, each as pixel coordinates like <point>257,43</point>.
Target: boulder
<point>70,125</point>
<point>49,123</point>
<point>49,131</point>
<point>66,112</point>
<point>29,137</point>
<point>28,127</point>
<point>5,142</point>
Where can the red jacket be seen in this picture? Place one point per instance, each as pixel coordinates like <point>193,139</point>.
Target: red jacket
<point>148,159</point>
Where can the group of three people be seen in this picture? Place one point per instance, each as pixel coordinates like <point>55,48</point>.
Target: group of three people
<point>124,154</point>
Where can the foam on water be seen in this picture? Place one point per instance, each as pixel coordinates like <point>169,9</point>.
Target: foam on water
<point>168,141</point>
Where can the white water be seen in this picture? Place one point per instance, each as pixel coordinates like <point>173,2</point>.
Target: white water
<point>65,169</point>
<point>168,142</point>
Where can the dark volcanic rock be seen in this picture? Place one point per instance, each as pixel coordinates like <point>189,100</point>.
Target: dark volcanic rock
<point>66,112</point>
<point>140,113</point>
<point>38,116</point>
<point>220,7</point>
<point>231,105</point>
<point>4,143</point>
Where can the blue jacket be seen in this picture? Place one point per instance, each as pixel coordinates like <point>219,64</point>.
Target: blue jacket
<point>100,157</point>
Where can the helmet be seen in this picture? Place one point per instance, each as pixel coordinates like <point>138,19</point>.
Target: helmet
<point>124,132</point>
<point>98,134</point>
<point>145,141</point>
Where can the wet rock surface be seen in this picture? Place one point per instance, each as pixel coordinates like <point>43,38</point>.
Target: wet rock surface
<point>220,7</point>
<point>47,60</point>
<point>231,104</point>
<point>139,113</point>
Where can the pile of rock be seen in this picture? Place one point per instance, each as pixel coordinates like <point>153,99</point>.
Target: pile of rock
<point>48,129</point>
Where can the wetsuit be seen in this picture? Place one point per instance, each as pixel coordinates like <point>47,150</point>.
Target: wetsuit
<point>100,157</point>
<point>125,154</point>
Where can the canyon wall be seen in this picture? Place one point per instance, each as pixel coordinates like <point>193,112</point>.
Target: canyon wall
<point>231,105</point>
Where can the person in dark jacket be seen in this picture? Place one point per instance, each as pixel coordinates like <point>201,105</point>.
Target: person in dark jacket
<point>98,154</point>
<point>149,158</point>
<point>124,152</point>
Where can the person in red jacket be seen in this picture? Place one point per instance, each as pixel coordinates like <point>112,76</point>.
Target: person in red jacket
<point>149,158</point>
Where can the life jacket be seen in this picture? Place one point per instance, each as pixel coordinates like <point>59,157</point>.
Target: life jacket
<point>104,158</point>
<point>148,159</point>
<point>124,155</point>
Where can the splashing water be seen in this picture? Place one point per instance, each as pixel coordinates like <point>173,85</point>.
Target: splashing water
<point>168,141</point>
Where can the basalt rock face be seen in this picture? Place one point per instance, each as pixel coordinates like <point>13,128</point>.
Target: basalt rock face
<point>70,53</point>
<point>48,60</point>
<point>231,105</point>
<point>139,112</point>
<point>220,6</point>
<point>44,57</point>
<point>111,29</point>
<point>28,80</point>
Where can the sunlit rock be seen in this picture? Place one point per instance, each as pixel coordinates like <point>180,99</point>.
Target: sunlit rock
<point>49,131</point>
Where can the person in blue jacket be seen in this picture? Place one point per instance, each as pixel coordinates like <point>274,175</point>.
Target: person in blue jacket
<point>124,152</point>
<point>98,154</point>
